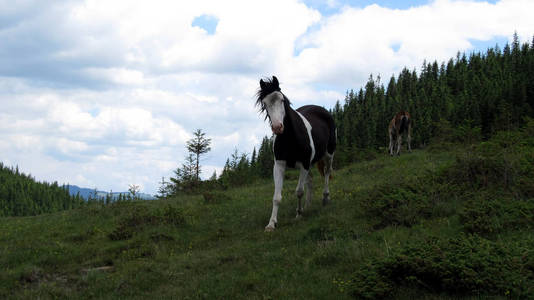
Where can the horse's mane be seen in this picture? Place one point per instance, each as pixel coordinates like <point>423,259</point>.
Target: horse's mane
<point>269,86</point>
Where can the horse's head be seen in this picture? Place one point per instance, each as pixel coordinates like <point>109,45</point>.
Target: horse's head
<point>272,102</point>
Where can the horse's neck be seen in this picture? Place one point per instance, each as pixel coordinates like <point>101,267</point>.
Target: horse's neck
<point>291,120</point>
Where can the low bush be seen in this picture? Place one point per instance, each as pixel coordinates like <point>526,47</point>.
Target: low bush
<point>488,212</point>
<point>504,161</point>
<point>408,202</point>
<point>466,265</point>
<point>140,217</point>
<point>213,197</point>
<point>396,206</point>
<point>348,155</point>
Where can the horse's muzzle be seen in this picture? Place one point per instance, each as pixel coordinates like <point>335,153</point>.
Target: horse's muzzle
<point>278,128</point>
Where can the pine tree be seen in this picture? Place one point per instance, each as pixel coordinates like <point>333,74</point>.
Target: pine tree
<point>213,176</point>
<point>253,159</point>
<point>185,177</point>
<point>164,189</point>
<point>265,160</point>
<point>198,145</point>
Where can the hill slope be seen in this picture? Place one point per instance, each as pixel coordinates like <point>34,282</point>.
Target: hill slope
<point>434,222</point>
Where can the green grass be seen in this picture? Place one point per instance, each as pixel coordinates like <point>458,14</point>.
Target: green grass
<point>387,230</point>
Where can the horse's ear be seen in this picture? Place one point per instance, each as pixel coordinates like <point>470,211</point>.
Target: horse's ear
<point>275,82</point>
<point>262,84</point>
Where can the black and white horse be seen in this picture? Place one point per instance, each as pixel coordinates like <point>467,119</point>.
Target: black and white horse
<point>302,137</point>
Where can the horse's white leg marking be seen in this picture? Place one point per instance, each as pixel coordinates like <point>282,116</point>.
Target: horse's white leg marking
<point>309,129</point>
<point>309,190</point>
<point>399,143</point>
<point>278,174</point>
<point>327,171</point>
<point>300,188</point>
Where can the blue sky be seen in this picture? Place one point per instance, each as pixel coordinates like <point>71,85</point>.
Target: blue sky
<point>206,22</point>
<point>103,94</point>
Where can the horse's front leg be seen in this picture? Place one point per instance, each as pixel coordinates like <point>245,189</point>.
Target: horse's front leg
<point>303,178</point>
<point>278,174</point>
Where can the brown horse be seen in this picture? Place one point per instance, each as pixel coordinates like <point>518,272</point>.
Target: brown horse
<point>400,124</point>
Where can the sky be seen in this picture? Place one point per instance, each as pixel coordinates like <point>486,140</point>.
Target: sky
<point>104,94</point>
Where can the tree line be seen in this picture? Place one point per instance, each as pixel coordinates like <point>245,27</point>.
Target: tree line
<point>489,91</point>
<point>21,195</point>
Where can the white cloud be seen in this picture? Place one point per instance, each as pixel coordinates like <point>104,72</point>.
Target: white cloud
<point>105,94</point>
<point>350,45</point>
<point>121,76</point>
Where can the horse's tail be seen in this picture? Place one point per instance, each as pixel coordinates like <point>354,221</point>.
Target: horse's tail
<point>320,167</point>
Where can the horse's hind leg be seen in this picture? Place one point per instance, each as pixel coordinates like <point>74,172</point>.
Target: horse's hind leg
<point>309,190</point>
<point>390,144</point>
<point>327,172</point>
<point>399,143</point>
<point>303,178</point>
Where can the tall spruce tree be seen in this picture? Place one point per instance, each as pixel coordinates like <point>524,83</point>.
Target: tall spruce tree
<point>184,179</point>
<point>198,145</point>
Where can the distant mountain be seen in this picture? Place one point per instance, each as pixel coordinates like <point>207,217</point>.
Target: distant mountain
<point>86,193</point>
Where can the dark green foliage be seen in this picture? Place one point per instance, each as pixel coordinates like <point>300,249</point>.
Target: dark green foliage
<point>488,186</point>
<point>405,202</point>
<point>467,264</point>
<point>215,197</point>
<point>184,180</point>
<point>265,160</point>
<point>21,195</point>
<point>486,213</point>
<point>344,156</point>
<point>505,162</point>
<point>140,217</point>
<point>239,170</point>
<point>187,177</point>
<point>397,206</point>
<point>497,178</point>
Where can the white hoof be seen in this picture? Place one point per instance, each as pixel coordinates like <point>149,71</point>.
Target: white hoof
<point>269,228</point>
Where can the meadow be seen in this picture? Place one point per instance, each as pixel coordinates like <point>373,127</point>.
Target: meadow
<point>452,220</point>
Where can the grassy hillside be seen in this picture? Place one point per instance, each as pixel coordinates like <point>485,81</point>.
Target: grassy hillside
<point>443,222</point>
